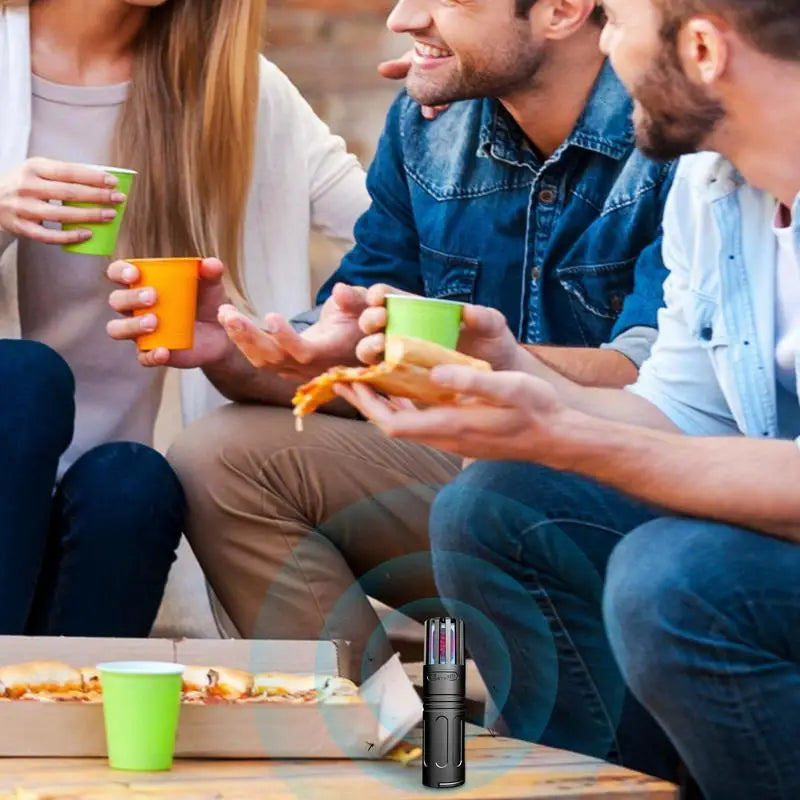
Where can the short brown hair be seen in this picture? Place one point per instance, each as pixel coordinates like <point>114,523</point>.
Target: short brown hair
<point>523,8</point>
<point>773,26</point>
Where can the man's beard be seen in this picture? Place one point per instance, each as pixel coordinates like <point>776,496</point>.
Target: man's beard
<point>676,117</point>
<point>501,74</point>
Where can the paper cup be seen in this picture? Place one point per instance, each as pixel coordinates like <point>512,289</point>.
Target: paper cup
<point>175,281</point>
<point>104,234</point>
<point>437,321</point>
<point>141,706</point>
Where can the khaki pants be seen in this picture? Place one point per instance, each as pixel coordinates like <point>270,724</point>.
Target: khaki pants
<point>295,530</point>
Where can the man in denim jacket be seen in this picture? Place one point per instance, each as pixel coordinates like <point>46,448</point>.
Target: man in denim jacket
<point>535,203</point>
<point>691,582</point>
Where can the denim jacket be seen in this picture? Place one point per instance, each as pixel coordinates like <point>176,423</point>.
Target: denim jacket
<point>712,370</point>
<point>567,248</point>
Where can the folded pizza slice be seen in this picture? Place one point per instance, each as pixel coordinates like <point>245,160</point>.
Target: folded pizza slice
<point>404,372</point>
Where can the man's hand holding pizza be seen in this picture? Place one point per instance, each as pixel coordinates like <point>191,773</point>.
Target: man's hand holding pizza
<point>497,415</point>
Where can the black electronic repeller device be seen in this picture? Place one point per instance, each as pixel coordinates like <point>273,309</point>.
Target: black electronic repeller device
<point>443,704</point>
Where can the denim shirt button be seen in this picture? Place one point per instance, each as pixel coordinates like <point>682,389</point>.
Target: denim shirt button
<point>535,273</point>
<point>706,333</point>
<point>547,196</point>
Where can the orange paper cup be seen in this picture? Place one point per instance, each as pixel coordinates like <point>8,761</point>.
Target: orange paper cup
<point>175,281</point>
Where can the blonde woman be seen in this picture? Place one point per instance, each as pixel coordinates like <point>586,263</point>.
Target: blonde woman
<point>231,163</point>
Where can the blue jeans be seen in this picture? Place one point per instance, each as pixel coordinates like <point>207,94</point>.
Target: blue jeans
<point>705,622</point>
<point>521,552</point>
<point>91,558</point>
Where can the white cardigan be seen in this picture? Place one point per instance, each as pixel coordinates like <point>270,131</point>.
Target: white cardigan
<point>303,178</point>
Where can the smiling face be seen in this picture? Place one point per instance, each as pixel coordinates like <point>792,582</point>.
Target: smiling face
<point>466,49</point>
<point>673,115</point>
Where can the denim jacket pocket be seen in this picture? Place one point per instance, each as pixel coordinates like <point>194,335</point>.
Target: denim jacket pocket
<point>598,289</point>
<point>448,277</point>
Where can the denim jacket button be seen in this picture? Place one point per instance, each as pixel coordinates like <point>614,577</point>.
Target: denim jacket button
<point>706,333</point>
<point>547,196</point>
<point>535,273</point>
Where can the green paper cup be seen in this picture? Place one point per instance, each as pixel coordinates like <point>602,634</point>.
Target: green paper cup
<point>104,234</point>
<point>437,321</point>
<point>141,706</point>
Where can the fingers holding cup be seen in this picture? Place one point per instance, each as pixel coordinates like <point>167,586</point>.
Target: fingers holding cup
<point>370,349</point>
<point>122,272</point>
<point>373,320</point>
<point>174,282</point>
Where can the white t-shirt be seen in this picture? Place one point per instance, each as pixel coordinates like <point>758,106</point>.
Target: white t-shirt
<point>787,300</point>
<point>63,297</point>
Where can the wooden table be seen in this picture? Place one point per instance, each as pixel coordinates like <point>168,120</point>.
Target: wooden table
<point>497,769</point>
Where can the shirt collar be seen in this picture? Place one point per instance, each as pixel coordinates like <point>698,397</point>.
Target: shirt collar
<point>605,126</point>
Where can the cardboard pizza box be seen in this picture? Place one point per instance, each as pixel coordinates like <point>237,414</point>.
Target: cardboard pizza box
<point>368,730</point>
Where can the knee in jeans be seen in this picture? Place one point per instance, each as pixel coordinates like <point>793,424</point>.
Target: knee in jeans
<point>132,481</point>
<point>479,510</point>
<point>461,517</point>
<point>38,382</point>
<point>650,580</point>
<point>475,526</point>
<point>34,367</point>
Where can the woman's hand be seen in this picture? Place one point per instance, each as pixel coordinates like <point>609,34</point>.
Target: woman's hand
<point>210,342</point>
<point>26,195</point>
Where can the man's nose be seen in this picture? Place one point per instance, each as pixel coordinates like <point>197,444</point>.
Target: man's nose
<point>409,16</point>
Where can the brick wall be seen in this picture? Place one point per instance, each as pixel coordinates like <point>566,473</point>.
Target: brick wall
<point>330,50</point>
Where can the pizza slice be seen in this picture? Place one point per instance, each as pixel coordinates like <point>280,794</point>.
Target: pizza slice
<point>404,372</point>
<point>287,687</point>
<point>46,679</point>
<point>223,683</point>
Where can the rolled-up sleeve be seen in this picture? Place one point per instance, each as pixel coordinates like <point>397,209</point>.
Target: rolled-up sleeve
<point>679,377</point>
<point>635,344</point>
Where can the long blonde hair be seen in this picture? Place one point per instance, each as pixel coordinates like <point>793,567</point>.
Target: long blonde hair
<point>189,126</point>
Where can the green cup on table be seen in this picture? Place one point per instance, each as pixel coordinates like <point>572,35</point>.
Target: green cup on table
<point>103,241</point>
<point>437,321</point>
<point>141,707</point>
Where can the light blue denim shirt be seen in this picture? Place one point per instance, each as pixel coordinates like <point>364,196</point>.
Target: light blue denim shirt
<point>712,369</point>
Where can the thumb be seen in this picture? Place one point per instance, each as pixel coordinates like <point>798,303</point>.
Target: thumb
<point>350,299</point>
<point>498,388</point>
<point>395,70</point>
<point>483,321</point>
<point>212,270</point>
